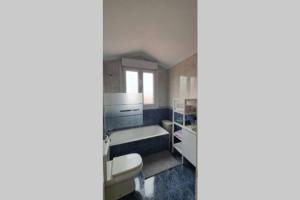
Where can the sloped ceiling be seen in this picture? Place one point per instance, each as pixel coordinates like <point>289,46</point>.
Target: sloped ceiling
<point>163,29</point>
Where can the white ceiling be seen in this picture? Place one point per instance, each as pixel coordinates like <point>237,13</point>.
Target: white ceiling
<point>163,29</point>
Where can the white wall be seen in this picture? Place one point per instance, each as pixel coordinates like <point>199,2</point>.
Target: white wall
<point>183,79</point>
<point>112,76</point>
<point>113,80</point>
<point>165,29</point>
<point>169,84</point>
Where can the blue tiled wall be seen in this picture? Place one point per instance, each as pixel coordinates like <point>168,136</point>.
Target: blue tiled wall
<point>142,147</point>
<point>155,116</point>
<point>147,146</point>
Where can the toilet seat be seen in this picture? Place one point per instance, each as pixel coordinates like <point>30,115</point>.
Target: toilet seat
<point>123,167</point>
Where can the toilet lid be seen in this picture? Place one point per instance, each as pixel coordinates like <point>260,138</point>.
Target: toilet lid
<point>126,163</point>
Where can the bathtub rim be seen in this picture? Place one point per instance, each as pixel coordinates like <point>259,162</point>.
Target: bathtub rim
<point>140,138</point>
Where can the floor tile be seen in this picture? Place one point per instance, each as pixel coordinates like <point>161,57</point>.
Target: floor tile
<point>176,183</point>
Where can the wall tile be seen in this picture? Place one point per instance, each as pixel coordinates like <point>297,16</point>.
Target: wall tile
<point>142,147</point>
<point>155,116</point>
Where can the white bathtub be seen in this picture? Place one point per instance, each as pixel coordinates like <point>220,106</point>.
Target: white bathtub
<point>135,134</point>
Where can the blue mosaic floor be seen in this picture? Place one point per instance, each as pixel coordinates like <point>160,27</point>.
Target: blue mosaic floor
<point>176,183</point>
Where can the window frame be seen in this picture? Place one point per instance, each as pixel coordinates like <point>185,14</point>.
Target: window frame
<point>138,79</point>
<point>154,88</point>
<point>141,84</point>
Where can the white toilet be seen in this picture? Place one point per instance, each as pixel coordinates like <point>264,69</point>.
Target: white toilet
<point>119,173</point>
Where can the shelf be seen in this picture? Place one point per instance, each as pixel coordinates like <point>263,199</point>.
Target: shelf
<point>192,128</point>
<point>188,127</point>
<point>182,108</point>
<point>185,106</point>
<point>178,135</point>
<point>177,146</point>
<point>188,113</point>
<point>177,124</point>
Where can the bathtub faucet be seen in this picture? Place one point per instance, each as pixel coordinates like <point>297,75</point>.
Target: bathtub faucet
<point>108,133</point>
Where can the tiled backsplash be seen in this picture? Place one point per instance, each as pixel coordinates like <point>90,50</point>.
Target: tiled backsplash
<point>155,116</point>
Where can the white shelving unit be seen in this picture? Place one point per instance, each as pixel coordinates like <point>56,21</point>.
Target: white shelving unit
<point>183,107</point>
<point>178,147</point>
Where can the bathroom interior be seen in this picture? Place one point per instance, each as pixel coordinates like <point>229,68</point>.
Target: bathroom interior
<point>150,99</point>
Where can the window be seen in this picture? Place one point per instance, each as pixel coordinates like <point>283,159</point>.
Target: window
<point>132,84</point>
<point>146,84</point>
<point>148,88</point>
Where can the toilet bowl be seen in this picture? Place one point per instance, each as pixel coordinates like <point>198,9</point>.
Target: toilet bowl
<point>119,174</point>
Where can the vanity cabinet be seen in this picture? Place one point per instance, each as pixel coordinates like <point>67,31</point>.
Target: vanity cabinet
<point>189,141</point>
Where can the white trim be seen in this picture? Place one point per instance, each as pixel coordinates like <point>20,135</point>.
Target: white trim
<point>136,134</point>
<point>137,63</point>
